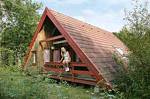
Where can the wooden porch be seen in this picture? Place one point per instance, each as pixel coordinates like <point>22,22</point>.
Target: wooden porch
<point>74,75</point>
<point>79,72</point>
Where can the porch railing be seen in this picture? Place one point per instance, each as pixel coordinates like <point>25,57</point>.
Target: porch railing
<point>57,67</point>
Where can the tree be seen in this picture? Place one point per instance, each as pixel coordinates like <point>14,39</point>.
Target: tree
<point>136,35</point>
<point>18,20</point>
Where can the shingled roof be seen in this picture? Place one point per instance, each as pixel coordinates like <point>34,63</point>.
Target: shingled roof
<point>97,44</point>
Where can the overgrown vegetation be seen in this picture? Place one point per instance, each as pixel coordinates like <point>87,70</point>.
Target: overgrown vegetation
<point>6,57</point>
<point>18,20</point>
<point>135,82</point>
<point>15,84</point>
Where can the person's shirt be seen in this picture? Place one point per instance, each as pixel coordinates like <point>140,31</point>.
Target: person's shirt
<point>66,56</point>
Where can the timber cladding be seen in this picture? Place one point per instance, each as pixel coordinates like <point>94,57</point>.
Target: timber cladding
<point>39,51</point>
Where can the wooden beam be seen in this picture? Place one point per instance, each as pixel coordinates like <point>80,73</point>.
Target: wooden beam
<point>78,64</point>
<point>58,70</point>
<point>71,64</point>
<point>53,63</point>
<point>82,72</point>
<point>52,38</point>
<point>83,81</point>
<point>60,42</point>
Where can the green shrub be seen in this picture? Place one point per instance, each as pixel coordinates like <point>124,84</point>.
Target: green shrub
<point>6,57</point>
<point>134,83</point>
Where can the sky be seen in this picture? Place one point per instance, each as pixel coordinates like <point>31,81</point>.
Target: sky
<point>106,14</point>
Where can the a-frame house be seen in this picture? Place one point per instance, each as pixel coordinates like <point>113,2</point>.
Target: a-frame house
<point>90,48</point>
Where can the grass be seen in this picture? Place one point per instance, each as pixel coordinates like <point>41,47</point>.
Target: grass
<point>15,84</point>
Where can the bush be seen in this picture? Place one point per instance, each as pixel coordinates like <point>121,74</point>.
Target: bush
<point>6,57</point>
<point>134,83</point>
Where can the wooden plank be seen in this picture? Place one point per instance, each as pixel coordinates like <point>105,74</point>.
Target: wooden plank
<point>78,64</point>
<point>89,82</point>
<point>58,70</point>
<point>60,42</point>
<point>53,63</point>
<point>52,38</point>
<point>82,72</point>
<point>71,64</point>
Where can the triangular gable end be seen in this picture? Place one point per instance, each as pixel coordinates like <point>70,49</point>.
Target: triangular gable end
<point>70,41</point>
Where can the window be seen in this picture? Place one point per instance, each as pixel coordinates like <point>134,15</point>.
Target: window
<point>34,55</point>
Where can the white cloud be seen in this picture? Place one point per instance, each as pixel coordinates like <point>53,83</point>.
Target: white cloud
<point>111,20</point>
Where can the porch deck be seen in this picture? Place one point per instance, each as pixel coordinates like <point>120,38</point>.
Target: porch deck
<point>74,75</point>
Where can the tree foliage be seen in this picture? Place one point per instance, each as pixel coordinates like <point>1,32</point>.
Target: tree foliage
<point>136,35</point>
<point>18,20</point>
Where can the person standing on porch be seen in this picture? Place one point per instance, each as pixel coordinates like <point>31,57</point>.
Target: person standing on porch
<point>65,58</point>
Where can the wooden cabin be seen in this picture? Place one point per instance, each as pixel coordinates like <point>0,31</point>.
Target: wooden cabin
<point>90,48</point>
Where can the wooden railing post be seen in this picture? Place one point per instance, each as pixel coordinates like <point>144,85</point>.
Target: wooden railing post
<point>73,75</point>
